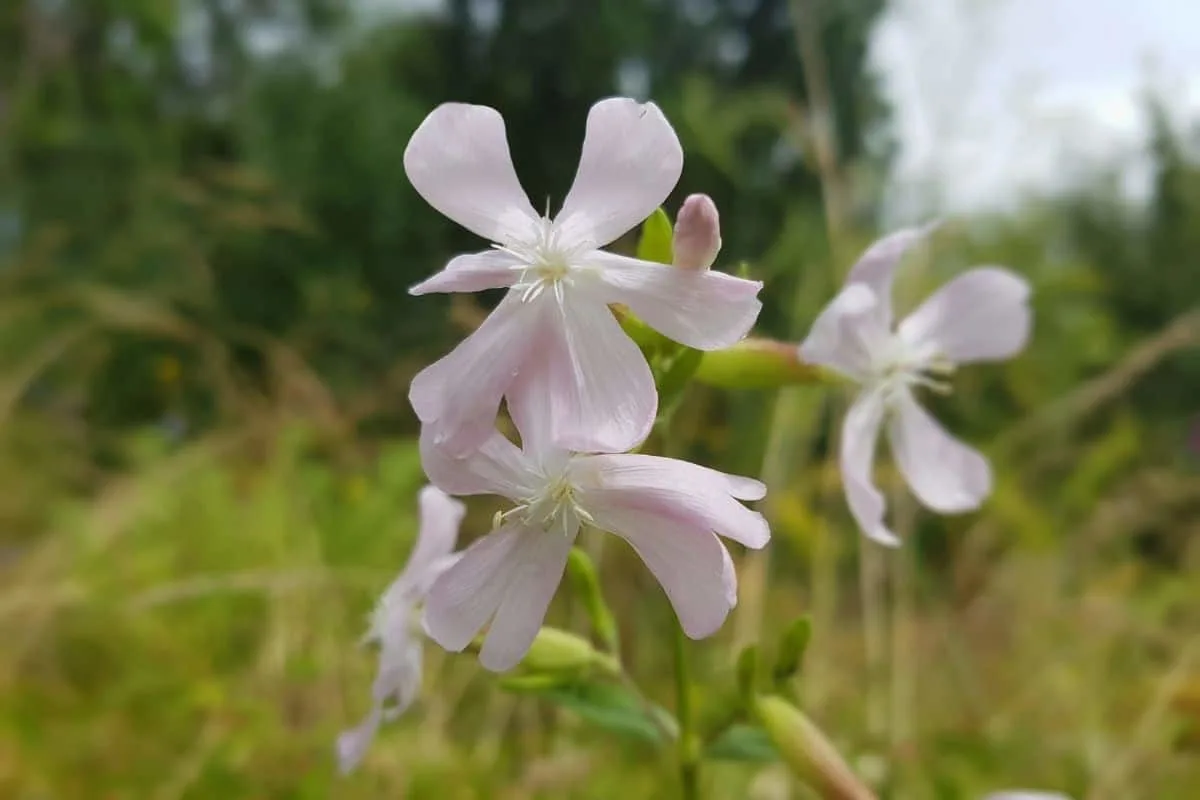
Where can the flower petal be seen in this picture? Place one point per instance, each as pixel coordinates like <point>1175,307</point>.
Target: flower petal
<point>876,267</point>
<point>508,577</point>
<point>458,396</point>
<point>497,467</point>
<point>691,495</point>
<point>534,576</point>
<point>691,565</point>
<point>860,432</point>
<point>631,161</point>
<point>440,517</point>
<point>981,315</point>
<point>945,474</point>
<point>458,160</point>
<point>473,272</point>
<point>701,309</point>
<point>848,334</point>
<point>597,386</point>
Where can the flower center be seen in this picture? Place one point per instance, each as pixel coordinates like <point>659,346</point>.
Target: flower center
<point>547,263</point>
<point>554,507</point>
<point>900,366</point>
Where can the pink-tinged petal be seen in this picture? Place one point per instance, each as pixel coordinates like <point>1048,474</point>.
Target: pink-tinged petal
<point>440,517</point>
<point>596,383</point>
<point>458,396</point>
<point>945,474</point>
<point>860,433</point>
<point>702,309</point>
<point>507,577</point>
<point>876,267</point>
<point>458,160</point>
<point>690,563</point>
<point>473,272</point>
<point>631,161</point>
<point>534,577</point>
<point>687,494</point>
<point>496,467</point>
<point>981,315</point>
<point>848,334</point>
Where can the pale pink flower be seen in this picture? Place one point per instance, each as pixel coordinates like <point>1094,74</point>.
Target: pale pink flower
<point>981,315</point>
<point>671,512</point>
<point>697,236</point>
<point>395,626</point>
<point>602,395</point>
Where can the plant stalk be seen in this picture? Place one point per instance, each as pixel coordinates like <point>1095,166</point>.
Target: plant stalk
<point>689,742</point>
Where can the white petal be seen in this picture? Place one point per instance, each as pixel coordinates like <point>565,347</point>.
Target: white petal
<point>631,161</point>
<point>981,315</point>
<point>860,433</point>
<point>497,467</point>
<point>534,576</point>
<point>458,160</point>
<point>598,387</point>
<point>458,396</point>
<point>848,334</point>
<point>945,474</point>
<point>353,744</point>
<point>691,495</point>
<point>473,272</point>
<point>702,309</point>
<point>440,517</point>
<point>690,563</point>
<point>467,595</point>
<point>876,267</point>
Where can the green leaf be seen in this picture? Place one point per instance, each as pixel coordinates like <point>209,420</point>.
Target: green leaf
<point>587,585</point>
<point>675,376</point>
<point>613,708</point>
<point>655,242</point>
<point>792,646</point>
<point>537,683</point>
<point>747,672</point>
<point>743,743</point>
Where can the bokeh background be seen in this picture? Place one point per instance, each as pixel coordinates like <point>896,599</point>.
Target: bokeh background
<point>206,452</point>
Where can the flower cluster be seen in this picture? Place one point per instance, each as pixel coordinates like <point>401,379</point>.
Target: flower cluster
<point>582,395</point>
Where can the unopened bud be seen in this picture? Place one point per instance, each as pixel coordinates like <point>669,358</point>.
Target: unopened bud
<point>807,752</point>
<point>555,650</point>
<point>757,364</point>
<point>697,233</point>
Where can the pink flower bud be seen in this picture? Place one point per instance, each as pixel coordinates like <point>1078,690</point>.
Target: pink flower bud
<point>697,233</point>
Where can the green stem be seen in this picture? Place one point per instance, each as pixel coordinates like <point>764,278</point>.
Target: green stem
<point>689,743</point>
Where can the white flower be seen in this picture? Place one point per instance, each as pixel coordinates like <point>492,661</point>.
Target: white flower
<point>671,512</point>
<point>394,625</point>
<point>555,318</point>
<point>981,315</point>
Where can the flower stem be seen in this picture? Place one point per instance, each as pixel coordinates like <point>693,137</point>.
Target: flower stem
<point>689,743</point>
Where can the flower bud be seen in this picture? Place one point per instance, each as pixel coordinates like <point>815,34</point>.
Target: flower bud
<point>697,233</point>
<point>807,752</point>
<point>756,364</point>
<point>555,650</point>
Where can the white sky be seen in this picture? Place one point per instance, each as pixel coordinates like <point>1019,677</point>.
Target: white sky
<point>994,99</point>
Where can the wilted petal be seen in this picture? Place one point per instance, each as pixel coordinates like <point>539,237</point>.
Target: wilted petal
<point>458,396</point>
<point>691,495</point>
<point>860,432</point>
<point>473,272</point>
<point>701,309</point>
<point>981,315</point>
<point>440,517</point>
<point>353,744</point>
<point>690,563</point>
<point>631,161</point>
<point>945,474</point>
<point>497,467</point>
<point>847,334</point>
<point>877,266</point>
<point>596,383</point>
<point>458,160</point>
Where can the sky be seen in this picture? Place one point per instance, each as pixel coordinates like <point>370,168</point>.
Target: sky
<point>993,100</point>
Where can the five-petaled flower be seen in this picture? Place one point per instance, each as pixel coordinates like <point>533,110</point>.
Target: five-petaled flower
<point>981,315</point>
<point>554,324</point>
<point>671,512</point>
<point>395,626</point>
